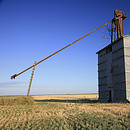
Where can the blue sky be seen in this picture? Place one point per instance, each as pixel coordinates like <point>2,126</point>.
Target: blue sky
<point>34,29</point>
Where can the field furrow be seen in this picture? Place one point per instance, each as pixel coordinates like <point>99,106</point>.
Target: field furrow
<point>65,115</point>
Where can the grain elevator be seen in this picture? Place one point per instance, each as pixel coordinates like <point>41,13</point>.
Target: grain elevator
<point>114,64</point>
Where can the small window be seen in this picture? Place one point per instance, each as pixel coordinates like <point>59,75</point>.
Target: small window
<point>108,49</point>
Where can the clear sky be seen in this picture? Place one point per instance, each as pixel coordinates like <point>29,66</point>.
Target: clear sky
<point>34,29</point>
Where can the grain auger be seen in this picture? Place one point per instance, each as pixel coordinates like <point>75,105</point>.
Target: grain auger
<point>116,32</point>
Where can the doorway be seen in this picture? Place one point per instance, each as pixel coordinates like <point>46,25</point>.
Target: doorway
<point>109,96</point>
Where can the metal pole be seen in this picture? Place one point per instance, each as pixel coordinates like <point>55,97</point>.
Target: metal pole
<point>112,32</point>
<point>31,78</point>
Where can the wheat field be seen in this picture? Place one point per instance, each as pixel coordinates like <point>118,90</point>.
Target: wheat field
<point>66,97</point>
<point>62,115</point>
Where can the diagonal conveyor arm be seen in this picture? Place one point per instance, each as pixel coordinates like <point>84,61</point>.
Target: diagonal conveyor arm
<point>15,75</point>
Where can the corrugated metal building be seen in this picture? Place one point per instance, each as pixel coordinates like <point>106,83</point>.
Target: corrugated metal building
<point>114,71</point>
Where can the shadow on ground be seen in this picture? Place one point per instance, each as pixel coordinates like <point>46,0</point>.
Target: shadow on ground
<point>69,101</point>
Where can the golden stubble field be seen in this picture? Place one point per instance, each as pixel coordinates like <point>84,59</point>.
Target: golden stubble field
<point>60,114</point>
<point>66,97</point>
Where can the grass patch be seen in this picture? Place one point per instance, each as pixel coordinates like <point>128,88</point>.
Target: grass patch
<point>19,100</point>
<point>64,115</point>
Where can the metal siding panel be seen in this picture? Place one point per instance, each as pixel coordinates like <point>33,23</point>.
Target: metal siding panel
<point>128,91</point>
<point>108,71</point>
<point>118,62</point>
<point>103,100</point>
<point>103,95</point>
<point>127,76</point>
<point>117,54</point>
<point>102,88</point>
<point>120,86</point>
<point>102,66</point>
<point>128,85</point>
<point>102,73</point>
<point>127,67</point>
<point>103,52</point>
<point>102,81</point>
<point>127,41</point>
<point>119,100</point>
<point>127,60</point>
<point>118,69</point>
<point>117,45</point>
<point>119,95</point>
<point>127,51</point>
<point>118,78</point>
<point>102,59</point>
<point>128,95</point>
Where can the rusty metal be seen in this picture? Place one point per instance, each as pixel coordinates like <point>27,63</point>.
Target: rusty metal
<point>112,32</point>
<point>119,16</point>
<point>31,78</point>
<point>13,77</point>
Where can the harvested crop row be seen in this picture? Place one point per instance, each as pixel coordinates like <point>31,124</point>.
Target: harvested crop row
<point>65,116</point>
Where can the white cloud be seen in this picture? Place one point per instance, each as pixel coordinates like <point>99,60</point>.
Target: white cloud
<point>11,83</point>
